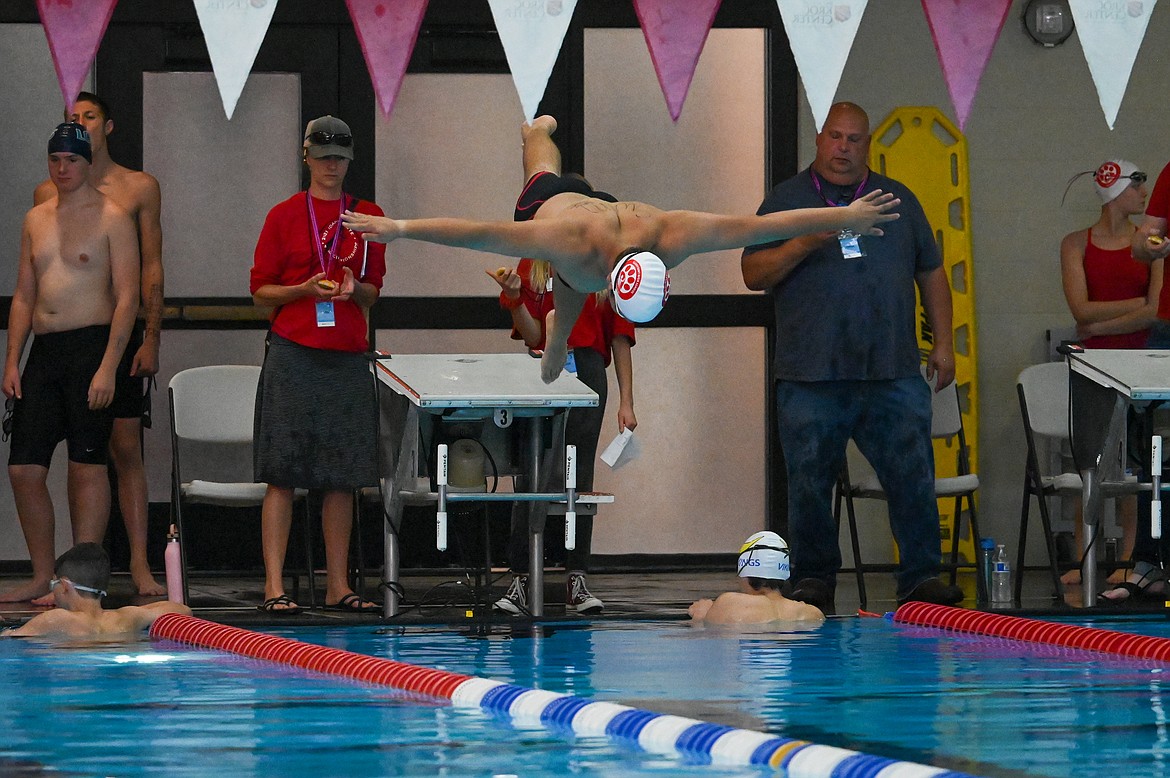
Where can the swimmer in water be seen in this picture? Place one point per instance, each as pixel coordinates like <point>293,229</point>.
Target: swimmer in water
<point>81,576</point>
<point>763,568</point>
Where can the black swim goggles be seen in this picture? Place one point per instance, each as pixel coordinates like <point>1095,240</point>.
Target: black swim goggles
<point>320,138</point>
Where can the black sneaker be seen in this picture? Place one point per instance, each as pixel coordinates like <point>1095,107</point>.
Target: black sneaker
<point>515,600</point>
<point>577,596</point>
<point>934,591</point>
<point>817,593</point>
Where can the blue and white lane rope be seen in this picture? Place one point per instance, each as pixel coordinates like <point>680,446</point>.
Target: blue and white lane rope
<point>696,740</point>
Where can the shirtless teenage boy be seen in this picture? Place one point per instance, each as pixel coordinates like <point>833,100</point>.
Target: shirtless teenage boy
<point>76,291</point>
<point>593,243</point>
<point>81,576</point>
<point>763,567</point>
<point>138,194</point>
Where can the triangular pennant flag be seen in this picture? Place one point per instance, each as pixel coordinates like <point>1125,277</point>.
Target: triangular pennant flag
<point>1111,34</point>
<point>821,36</point>
<point>532,34</point>
<point>964,33</point>
<point>75,31</point>
<point>675,33</point>
<point>233,32</point>
<point>387,30</point>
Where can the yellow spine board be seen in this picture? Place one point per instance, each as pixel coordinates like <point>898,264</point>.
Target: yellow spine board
<point>921,148</point>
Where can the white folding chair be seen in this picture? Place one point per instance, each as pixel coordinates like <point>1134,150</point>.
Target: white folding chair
<point>212,415</point>
<point>946,423</point>
<point>1043,394</point>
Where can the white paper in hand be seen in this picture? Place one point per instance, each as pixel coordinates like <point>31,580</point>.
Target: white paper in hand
<point>621,450</point>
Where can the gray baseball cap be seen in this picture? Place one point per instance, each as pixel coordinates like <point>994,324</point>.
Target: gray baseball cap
<point>328,136</point>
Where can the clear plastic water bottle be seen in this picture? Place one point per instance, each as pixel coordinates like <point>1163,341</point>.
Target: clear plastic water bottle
<point>1001,577</point>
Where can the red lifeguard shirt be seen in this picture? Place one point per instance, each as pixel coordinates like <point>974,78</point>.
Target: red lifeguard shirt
<point>1113,274</point>
<point>596,328</point>
<point>1159,207</point>
<point>285,256</point>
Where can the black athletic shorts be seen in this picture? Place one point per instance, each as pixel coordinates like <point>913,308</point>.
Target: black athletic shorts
<point>55,400</point>
<point>544,185</point>
<point>132,393</point>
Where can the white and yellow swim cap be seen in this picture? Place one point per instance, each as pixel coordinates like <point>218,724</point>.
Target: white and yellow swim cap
<point>764,555</point>
<point>640,285</point>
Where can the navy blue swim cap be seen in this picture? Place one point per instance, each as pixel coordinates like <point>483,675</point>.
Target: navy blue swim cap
<point>71,138</point>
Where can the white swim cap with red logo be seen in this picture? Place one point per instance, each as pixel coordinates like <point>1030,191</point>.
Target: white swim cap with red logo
<point>640,285</point>
<point>1114,177</point>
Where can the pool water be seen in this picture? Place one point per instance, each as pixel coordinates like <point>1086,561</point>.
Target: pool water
<point>985,706</point>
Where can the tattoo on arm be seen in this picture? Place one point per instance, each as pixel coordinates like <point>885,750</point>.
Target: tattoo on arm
<point>152,304</point>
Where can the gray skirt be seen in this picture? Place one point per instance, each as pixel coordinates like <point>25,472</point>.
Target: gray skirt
<point>316,419</point>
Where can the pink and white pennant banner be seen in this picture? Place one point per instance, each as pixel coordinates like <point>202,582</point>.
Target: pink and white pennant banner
<point>1111,32</point>
<point>387,31</point>
<point>964,33</point>
<point>74,29</point>
<point>675,32</point>
<point>233,32</point>
<point>532,32</point>
<point>821,35</point>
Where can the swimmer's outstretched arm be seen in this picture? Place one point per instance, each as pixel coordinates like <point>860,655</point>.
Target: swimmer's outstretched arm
<point>555,240</point>
<point>693,232</point>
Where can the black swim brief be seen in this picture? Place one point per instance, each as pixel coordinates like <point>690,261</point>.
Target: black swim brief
<point>545,185</point>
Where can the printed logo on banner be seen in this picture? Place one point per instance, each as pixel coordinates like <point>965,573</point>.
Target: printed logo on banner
<point>824,13</point>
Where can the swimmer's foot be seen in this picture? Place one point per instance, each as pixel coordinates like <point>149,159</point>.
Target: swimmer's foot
<point>145,584</point>
<point>30,591</point>
<point>545,124</point>
<point>552,363</point>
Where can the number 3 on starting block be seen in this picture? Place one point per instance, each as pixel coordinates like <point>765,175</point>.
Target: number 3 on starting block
<point>502,417</point>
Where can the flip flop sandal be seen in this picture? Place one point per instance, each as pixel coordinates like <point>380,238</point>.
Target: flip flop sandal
<point>288,607</point>
<point>1133,593</point>
<point>352,603</point>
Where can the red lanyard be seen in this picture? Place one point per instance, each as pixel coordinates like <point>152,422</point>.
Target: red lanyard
<point>817,185</point>
<point>326,259</point>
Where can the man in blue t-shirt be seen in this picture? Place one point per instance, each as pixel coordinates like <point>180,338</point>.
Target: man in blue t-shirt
<point>847,361</point>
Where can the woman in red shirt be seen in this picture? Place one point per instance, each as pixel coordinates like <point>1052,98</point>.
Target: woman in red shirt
<point>316,405</point>
<point>1112,296</point>
<point>599,335</point>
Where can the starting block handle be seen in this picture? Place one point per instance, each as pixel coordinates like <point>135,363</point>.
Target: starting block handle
<point>1156,479</point>
<point>441,516</point>
<point>571,497</point>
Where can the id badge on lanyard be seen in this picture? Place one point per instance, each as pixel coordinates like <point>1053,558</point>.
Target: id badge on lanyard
<point>326,315</point>
<point>849,240</point>
<point>850,244</point>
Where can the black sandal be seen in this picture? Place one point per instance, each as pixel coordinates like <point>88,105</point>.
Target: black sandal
<point>289,608</point>
<point>1133,593</point>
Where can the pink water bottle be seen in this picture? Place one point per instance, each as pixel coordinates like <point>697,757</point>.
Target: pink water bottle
<point>174,566</point>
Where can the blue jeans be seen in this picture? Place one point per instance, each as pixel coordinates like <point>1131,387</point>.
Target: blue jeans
<point>890,423</point>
